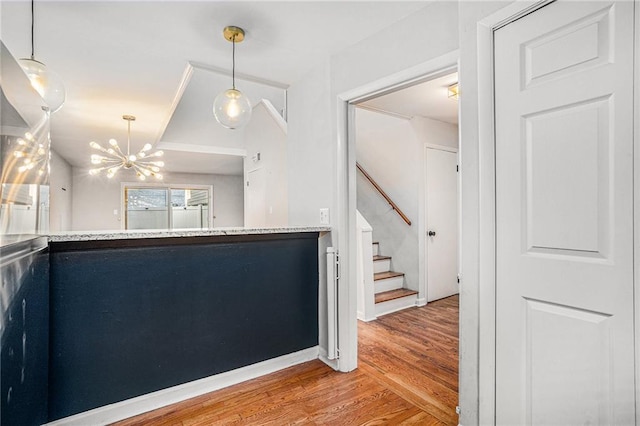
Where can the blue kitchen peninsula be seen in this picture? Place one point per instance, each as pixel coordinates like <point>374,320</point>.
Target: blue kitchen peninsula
<point>134,312</point>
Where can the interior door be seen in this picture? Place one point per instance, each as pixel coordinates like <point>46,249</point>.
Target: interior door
<point>255,209</point>
<point>442,224</point>
<point>564,216</point>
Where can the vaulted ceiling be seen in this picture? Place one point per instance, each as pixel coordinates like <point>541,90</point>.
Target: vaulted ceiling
<point>164,61</point>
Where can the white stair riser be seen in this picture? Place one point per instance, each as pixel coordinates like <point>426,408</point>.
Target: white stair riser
<point>382,265</point>
<point>388,284</point>
<point>376,248</point>
<point>395,305</point>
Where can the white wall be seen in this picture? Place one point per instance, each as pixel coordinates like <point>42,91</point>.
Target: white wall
<point>313,123</point>
<point>311,154</point>
<point>389,150</point>
<point>96,197</point>
<point>312,101</point>
<point>434,132</point>
<point>266,134</point>
<point>60,194</point>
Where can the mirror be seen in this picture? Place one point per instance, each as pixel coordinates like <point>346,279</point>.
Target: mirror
<point>24,154</point>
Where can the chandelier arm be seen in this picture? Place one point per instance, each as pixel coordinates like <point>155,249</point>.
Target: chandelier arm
<point>138,167</point>
<point>111,161</point>
<point>116,168</point>
<point>147,163</point>
<point>117,149</point>
<point>98,169</point>
<point>100,148</point>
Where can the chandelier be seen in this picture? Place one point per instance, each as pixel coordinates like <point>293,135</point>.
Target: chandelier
<point>32,150</point>
<point>115,159</point>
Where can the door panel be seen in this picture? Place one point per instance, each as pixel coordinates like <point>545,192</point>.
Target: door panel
<point>442,218</point>
<point>255,209</point>
<point>564,218</point>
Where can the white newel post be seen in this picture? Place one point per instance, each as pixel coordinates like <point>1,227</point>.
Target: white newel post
<point>364,272</point>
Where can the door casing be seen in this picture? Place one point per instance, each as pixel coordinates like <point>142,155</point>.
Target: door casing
<point>344,230</point>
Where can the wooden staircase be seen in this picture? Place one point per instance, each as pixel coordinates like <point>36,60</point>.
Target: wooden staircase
<point>390,293</point>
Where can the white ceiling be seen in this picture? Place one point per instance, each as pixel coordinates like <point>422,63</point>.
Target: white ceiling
<point>428,99</point>
<point>126,57</point>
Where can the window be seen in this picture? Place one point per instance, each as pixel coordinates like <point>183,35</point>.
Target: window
<point>174,207</point>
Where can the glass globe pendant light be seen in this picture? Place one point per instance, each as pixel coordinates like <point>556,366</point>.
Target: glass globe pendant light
<point>46,82</point>
<point>232,108</point>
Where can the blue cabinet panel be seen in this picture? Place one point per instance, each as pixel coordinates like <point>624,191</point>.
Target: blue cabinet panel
<point>133,320</point>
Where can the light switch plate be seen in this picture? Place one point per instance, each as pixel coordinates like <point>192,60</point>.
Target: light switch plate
<point>324,216</point>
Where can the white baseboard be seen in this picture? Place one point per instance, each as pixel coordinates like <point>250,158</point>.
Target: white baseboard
<point>362,317</point>
<point>421,302</point>
<point>333,363</point>
<point>152,401</point>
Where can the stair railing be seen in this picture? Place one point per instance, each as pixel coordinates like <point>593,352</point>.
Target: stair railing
<point>393,205</point>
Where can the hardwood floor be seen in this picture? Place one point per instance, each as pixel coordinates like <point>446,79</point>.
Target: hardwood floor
<point>407,375</point>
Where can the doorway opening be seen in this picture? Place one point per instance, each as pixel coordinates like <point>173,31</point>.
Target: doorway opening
<point>405,144</point>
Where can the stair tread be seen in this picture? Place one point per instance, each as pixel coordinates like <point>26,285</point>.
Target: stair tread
<point>387,274</point>
<point>394,294</point>
<point>379,257</point>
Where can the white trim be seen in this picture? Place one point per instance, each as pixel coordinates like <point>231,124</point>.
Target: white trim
<point>323,356</point>
<point>486,236</point>
<point>238,75</point>
<point>202,149</point>
<point>152,401</point>
<point>486,205</point>
<point>383,111</point>
<point>636,201</point>
<point>273,112</point>
<point>182,86</point>
<point>346,188</point>
<point>441,147</point>
<point>347,237</point>
<point>434,68</point>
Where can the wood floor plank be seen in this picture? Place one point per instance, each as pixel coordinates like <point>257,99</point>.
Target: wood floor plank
<point>407,375</point>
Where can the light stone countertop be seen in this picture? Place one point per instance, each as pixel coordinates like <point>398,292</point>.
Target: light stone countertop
<point>142,234</point>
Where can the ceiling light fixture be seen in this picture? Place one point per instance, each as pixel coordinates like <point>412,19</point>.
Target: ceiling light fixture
<point>232,108</point>
<point>33,150</point>
<point>453,92</point>
<point>46,82</point>
<point>116,159</point>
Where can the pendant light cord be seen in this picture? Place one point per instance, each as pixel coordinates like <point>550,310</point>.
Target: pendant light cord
<point>32,19</point>
<point>233,67</point>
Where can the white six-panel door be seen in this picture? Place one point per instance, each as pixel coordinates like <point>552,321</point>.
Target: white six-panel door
<point>564,216</point>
